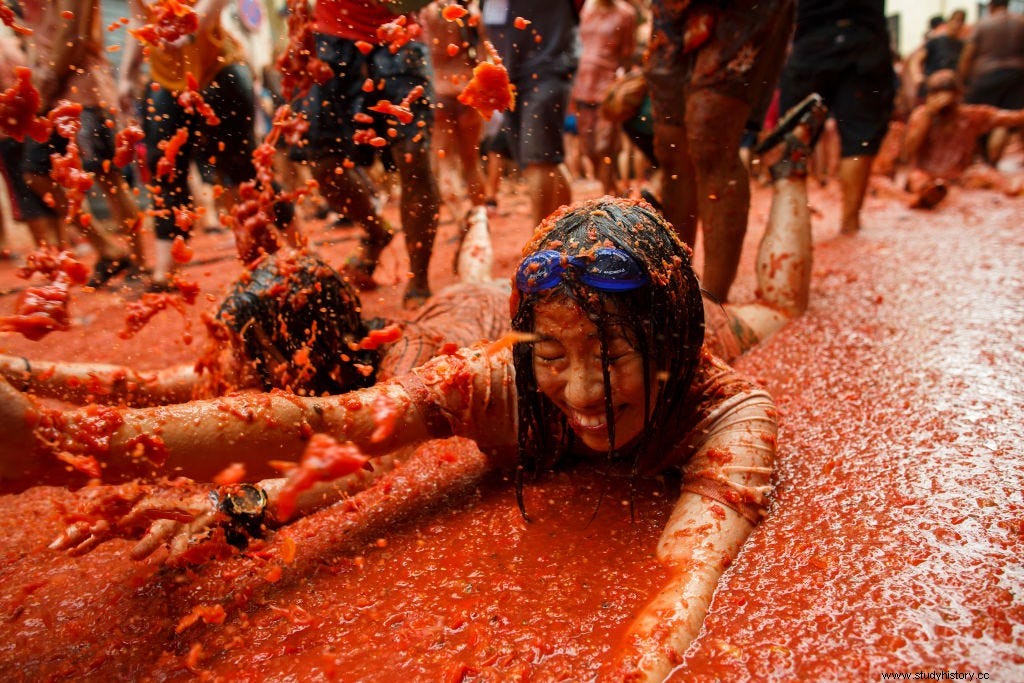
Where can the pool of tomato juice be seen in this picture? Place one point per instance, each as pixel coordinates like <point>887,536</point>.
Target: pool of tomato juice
<point>474,593</point>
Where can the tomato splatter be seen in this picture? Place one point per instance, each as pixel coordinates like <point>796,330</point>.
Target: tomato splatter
<point>191,100</point>
<point>323,460</point>
<point>489,90</point>
<point>300,68</point>
<point>170,148</point>
<point>386,335</point>
<point>18,107</point>
<point>172,19</point>
<point>395,34</point>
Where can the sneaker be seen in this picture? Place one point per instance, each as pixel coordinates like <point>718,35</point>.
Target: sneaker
<point>811,111</point>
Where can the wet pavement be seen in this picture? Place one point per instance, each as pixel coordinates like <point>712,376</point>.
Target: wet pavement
<point>895,539</point>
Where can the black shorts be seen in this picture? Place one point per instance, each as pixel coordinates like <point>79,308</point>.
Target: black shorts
<point>95,144</point>
<point>331,107</point>
<point>535,127</point>
<point>1003,88</point>
<point>852,71</point>
<point>741,59</point>
<point>223,151</point>
<point>497,144</point>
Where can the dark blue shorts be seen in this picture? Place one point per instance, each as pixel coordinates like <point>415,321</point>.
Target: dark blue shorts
<point>223,151</point>
<point>1003,88</point>
<point>331,107</point>
<point>536,125</point>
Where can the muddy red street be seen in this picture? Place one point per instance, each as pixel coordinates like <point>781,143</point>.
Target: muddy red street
<point>893,543</point>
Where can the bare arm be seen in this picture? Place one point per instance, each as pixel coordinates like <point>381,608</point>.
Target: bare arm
<point>724,490</point>
<point>915,67</point>
<point>131,61</point>
<point>209,12</point>
<point>917,132</point>
<point>100,382</point>
<point>69,49</point>
<point>966,64</point>
<point>1008,118</point>
<point>469,394</point>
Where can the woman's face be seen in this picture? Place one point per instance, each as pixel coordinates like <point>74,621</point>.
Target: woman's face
<point>567,364</point>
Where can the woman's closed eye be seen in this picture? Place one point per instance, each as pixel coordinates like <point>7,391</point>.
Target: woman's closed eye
<point>548,357</point>
<point>620,350</point>
<point>548,352</point>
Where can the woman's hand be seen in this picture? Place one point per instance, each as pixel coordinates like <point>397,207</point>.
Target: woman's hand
<point>197,522</point>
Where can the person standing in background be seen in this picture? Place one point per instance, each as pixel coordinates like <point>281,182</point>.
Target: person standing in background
<point>992,67</point>
<point>339,160</point>
<point>841,51</point>
<point>537,41</point>
<point>70,61</point>
<point>712,68</point>
<point>608,37</point>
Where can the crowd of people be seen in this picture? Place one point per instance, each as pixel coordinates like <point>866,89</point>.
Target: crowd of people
<point>562,59</point>
<point>616,349</point>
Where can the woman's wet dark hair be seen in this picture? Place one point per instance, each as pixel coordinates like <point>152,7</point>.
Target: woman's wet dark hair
<point>296,320</point>
<point>663,320</point>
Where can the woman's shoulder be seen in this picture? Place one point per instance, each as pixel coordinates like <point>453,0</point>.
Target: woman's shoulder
<point>717,394</point>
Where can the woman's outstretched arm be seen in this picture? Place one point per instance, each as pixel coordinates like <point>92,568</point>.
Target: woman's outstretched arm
<point>469,394</point>
<point>725,487</point>
<point>197,439</point>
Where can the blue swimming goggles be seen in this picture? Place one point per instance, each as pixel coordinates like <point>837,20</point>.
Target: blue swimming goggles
<point>607,269</point>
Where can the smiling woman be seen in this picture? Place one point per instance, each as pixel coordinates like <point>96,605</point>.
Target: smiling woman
<point>610,365</point>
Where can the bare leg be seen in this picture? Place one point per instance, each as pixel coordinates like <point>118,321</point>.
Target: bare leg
<point>714,126</point>
<point>350,194</point>
<point>548,185</point>
<point>419,207</point>
<point>678,188</point>
<point>854,173</point>
<point>124,210</point>
<point>445,138</point>
<point>495,171</point>
<point>470,125</point>
<point>101,240</point>
<point>784,261</point>
<point>996,145</point>
<point>44,231</point>
<point>475,259</point>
